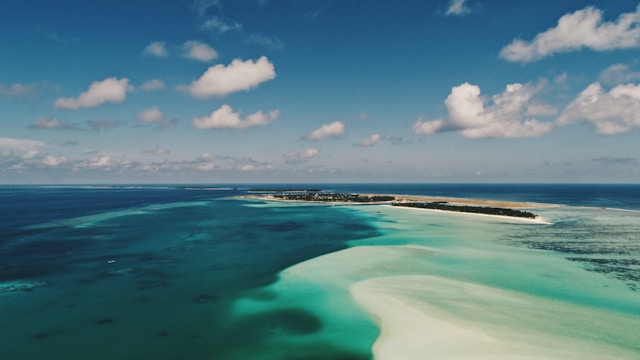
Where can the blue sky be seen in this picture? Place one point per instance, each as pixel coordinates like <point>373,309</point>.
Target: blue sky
<point>222,91</point>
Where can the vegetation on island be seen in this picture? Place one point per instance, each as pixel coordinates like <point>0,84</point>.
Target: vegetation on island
<point>334,197</point>
<point>438,205</point>
<point>289,190</point>
<point>318,196</point>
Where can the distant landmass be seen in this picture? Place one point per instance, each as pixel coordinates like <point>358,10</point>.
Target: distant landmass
<point>354,198</point>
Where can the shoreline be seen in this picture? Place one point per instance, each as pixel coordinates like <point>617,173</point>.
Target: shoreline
<point>482,206</point>
<point>418,198</point>
<point>537,220</point>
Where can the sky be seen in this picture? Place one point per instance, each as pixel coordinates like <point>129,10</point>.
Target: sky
<point>273,91</point>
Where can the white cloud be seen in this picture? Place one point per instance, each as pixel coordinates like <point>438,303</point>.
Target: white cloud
<point>98,162</point>
<point>248,167</point>
<point>20,144</point>
<point>157,48</point>
<point>296,157</point>
<point>30,154</point>
<point>152,85</point>
<point>108,90</point>
<point>225,118</point>
<point>220,80</point>
<point>157,151</point>
<point>334,129</point>
<point>50,123</point>
<point>218,25</point>
<point>502,119</point>
<point>203,5</point>
<point>207,157</point>
<point>51,160</point>
<point>268,42</point>
<point>457,7</point>
<point>370,141</point>
<point>541,110</point>
<point>206,167</point>
<point>611,113</point>
<point>17,90</point>
<point>199,51</point>
<point>574,31</point>
<point>618,74</point>
<point>152,114</point>
<point>429,127</point>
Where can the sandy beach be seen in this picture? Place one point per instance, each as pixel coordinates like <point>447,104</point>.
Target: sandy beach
<point>449,200</point>
<point>422,198</point>
<point>473,202</point>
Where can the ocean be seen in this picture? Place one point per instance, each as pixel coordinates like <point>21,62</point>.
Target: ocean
<point>191,272</point>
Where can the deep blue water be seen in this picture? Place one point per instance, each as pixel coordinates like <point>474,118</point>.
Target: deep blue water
<point>25,205</point>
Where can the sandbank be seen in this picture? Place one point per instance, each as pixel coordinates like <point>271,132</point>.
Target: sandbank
<point>424,317</point>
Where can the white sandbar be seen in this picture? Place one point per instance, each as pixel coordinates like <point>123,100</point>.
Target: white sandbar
<point>429,317</point>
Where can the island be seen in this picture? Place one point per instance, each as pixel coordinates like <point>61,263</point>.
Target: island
<point>473,206</point>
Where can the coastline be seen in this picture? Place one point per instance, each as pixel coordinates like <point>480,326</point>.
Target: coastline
<point>424,198</point>
<point>537,220</point>
<point>402,199</point>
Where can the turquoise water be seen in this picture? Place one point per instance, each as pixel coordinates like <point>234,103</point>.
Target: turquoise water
<point>175,274</point>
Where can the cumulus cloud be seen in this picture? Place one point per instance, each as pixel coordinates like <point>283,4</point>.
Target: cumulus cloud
<point>17,90</point>
<point>472,119</point>
<point>574,31</point>
<point>99,92</point>
<point>297,157</point>
<point>20,144</point>
<point>199,51</point>
<point>225,118</point>
<point>151,85</point>
<point>220,80</point>
<point>457,7</point>
<point>156,151</point>
<point>370,141</point>
<point>53,161</point>
<point>610,113</point>
<point>152,114</point>
<point>156,48</point>
<point>334,129</point>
